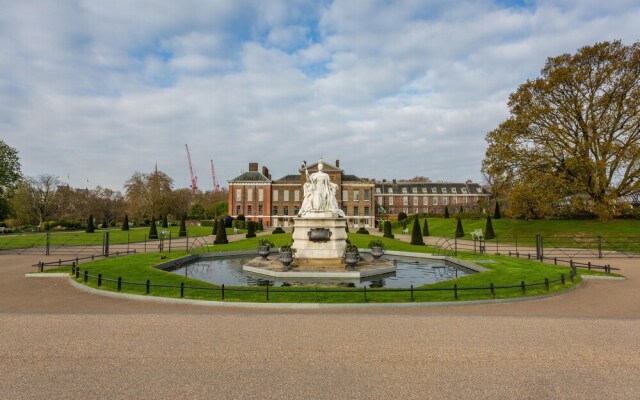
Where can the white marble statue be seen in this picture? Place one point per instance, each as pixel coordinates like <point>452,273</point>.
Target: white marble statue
<point>319,193</point>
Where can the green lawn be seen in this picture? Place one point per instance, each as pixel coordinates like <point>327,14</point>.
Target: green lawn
<point>502,271</point>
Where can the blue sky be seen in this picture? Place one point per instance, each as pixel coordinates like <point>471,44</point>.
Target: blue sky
<point>92,91</point>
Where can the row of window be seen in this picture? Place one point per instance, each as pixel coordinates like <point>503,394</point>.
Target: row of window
<point>285,210</point>
<point>425,201</point>
<point>424,190</point>
<point>250,194</point>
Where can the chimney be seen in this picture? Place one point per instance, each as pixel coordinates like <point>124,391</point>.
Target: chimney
<point>337,163</point>
<point>265,171</point>
<point>384,180</point>
<point>394,181</point>
<point>253,167</point>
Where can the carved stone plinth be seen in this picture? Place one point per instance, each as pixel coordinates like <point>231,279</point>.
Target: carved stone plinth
<point>319,235</point>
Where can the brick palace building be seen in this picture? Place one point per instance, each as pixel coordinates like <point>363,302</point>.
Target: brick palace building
<point>364,201</point>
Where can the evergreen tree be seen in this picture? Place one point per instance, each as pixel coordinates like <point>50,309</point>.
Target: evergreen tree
<point>215,227</point>
<point>459,230</point>
<point>496,213</point>
<point>251,229</point>
<point>461,210</point>
<point>387,230</point>
<point>446,211</point>
<point>425,228</point>
<point>90,227</point>
<point>165,222</point>
<point>183,227</point>
<point>488,229</point>
<point>416,233</point>
<point>221,235</point>
<point>153,231</point>
<point>125,224</point>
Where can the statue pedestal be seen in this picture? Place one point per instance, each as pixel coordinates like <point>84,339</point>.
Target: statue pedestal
<point>319,235</point>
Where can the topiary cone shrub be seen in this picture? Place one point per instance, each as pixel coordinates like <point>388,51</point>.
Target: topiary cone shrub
<point>125,224</point>
<point>183,228</point>
<point>259,226</point>
<point>446,212</point>
<point>488,229</point>
<point>90,227</point>
<point>459,230</point>
<point>387,230</point>
<point>425,228</point>
<point>251,229</point>
<point>215,227</point>
<point>496,213</point>
<point>153,231</point>
<point>165,222</point>
<point>416,233</point>
<point>221,235</point>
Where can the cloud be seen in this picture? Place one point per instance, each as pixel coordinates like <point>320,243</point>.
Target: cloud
<point>394,89</point>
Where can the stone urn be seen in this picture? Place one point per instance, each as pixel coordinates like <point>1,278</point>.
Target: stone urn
<point>264,251</point>
<point>286,258</point>
<point>351,256</point>
<point>377,252</point>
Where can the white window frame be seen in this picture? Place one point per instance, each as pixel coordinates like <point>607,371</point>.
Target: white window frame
<point>238,194</point>
<point>260,194</point>
<point>275,195</point>
<point>286,195</point>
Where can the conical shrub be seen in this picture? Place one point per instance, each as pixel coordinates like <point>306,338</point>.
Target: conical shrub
<point>425,228</point>
<point>125,224</point>
<point>488,229</point>
<point>251,229</point>
<point>446,212</point>
<point>459,230</point>
<point>416,233</point>
<point>90,227</point>
<point>165,222</point>
<point>153,230</point>
<point>387,230</point>
<point>221,235</point>
<point>215,227</point>
<point>496,213</point>
<point>183,228</point>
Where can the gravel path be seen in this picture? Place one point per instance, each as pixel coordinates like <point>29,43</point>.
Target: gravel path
<point>60,343</point>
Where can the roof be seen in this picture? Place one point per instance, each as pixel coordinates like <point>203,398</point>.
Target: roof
<point>289,178</point>
<point>250,176</point>
<point>431,187</point>
<point>352,178</point>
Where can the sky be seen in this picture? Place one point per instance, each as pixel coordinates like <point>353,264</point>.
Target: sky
<point>93,91</point>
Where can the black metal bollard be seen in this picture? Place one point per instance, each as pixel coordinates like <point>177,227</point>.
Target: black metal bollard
<point>119,283</point>
<point>546,283</point>
<point>223,292</point>
<point>562,280</point>
<point>267,293</point>
<point>59,262</point>
<point>86,276</point>
<point>411,292</point>
<point>493,292</point>
<point>77,272</point>
<point>41,266</point>
<point>181,289</point>
<point>555,260</point>
<point>572,277</point>
<point>365,294</point>
<point>523,287</point>
<point>589,265</point>
<point>99,280</point>
<point>455,291</point>
<point>148,286</point>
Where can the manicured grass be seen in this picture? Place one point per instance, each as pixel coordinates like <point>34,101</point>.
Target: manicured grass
<point>503,271</point>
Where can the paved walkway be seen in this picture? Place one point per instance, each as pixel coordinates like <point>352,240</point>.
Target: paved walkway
<point>59,342</point>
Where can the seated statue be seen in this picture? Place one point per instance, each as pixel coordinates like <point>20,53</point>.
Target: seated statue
<point>319,193</point>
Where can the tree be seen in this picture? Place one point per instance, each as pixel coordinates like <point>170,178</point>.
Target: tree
<point>221,235</point>
<point>36,199</point>
<point>251,229</point>
<point>496,213</point>
<point>576,128</point>
<point>9,169</point>
<point>488,229</point>
<point>446,212</point>
<point>90,227</point>
<point>153,230</point>
<point>416,233</point>
<point>402,216</point>
<point>197,211</point>
<point>149,194</point>
<point>425,228</point>
<point>182,232</point>
<point>387,230</point>
<point>125,224</point>
<point>459,230</point>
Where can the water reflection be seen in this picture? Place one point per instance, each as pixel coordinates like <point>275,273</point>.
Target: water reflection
<point>409,272</point>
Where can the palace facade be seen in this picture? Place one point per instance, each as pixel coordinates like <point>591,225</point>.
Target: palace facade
<point>257,196</point>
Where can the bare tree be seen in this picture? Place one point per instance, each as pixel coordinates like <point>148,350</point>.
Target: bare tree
<point>36,199</point>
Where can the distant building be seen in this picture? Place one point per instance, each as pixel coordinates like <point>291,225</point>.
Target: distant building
<point>256,196</point>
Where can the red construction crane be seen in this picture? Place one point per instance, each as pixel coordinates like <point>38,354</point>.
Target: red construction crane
<point>194,178</point>
<point>213,175</point>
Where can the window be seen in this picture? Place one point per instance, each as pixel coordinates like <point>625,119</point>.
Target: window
<point>295,210</point>
<point>390,190</point>
<point>404,190</point>
<point>424,190</point>
<point>366,211</point>
<point>345,195</point>
<point>425,210</point>
<point>260,209</point>
<point>238,194</point>
<point>435,201</point>
<point>274,210</point>
<point>445,201</point>
<point>378,191</point>
<point>479,190</point>
<point>391,210</point>
<point>444,190</point>
<point>260,194</point>
<point>380,200</point>
<point>367,195</point>
<point>414,190</point>
<point>425,200</point>
<point>356,195</point>
<point>465,200</point>
<point>249,209</point>
<point>249,194</point>
<point>356,211</point>
<point>454,190</point>
<point>464,190</point>
<point>405,201</point>
<point>344,210</point>
<point>286,196</point>
<point>415,200</point>
<point>296,196</point>
<point>455,199</point>
<point>275,195</point>
<point>391,200</point>
<point>238,210</point>
<point>434,190</point>
<point>285,210</point>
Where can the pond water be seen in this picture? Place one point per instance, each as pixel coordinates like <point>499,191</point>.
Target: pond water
<point>410,271</point>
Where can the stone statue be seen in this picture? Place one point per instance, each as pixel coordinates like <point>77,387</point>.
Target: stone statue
<point>319,193</point>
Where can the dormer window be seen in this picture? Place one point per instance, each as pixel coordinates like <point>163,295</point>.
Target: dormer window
<point>378,191</point>
<point>424,190</point>
<point>414,190</point>
<point>434,190</point>
<point>404,190</point>
<point>453,190</point>
<point>444,190</point>
<point>464,190</point>
<point>390,190</point>
<point>479,190</point>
